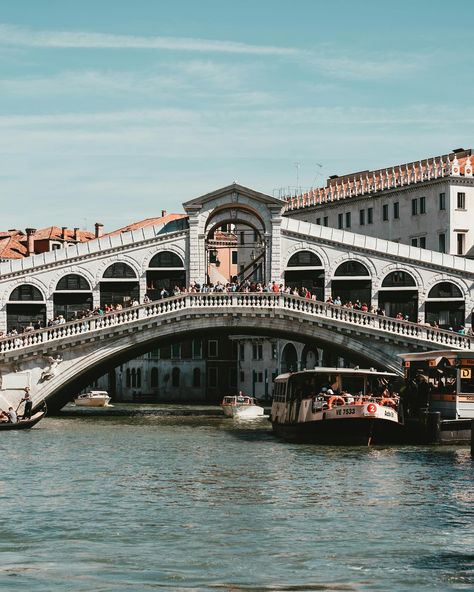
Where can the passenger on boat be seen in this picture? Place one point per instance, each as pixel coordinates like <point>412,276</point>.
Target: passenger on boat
<point>12,415</point>
<point>4,417</point>
<point>347,396</point>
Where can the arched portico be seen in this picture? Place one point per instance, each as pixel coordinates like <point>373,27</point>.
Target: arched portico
<point>235,205</point>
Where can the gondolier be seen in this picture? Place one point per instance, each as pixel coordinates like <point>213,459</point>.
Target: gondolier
<point>28,404</point>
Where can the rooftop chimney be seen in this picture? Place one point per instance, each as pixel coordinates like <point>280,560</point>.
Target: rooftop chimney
<point>163,213</point>
<point>30,241</point>
<point>75,234</point>
<point>63,232</point>
<point>98,229</point>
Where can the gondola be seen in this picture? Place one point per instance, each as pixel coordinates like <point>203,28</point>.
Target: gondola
<point>23,424</point>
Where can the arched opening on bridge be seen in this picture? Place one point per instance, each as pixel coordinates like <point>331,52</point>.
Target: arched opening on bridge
<point>399,294</point>
<point>119,285</point>
<point>166,271</point>
<point>309,358</point>
<point>305,269</point>
<point>352,282</point>
<point>26,308</point>
<point>289,359</point>
<point>236,246</point>
<point>72,296</point>
<point>445,306</point>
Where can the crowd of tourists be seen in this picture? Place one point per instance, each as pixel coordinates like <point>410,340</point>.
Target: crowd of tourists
<point>247,286</point>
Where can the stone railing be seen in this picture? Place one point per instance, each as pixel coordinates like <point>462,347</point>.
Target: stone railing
<point>217,301</point>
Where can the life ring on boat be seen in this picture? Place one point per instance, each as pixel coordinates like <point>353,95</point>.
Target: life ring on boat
<point>389,402</point>
<point>335,399</point>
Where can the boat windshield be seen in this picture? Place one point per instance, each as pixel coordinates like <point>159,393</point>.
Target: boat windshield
<point>313,384</point>
<point>439,374</point>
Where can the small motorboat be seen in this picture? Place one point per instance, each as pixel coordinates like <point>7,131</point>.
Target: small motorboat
<point>23,424</point>
<point>93,399</point>
<point>241,406</point>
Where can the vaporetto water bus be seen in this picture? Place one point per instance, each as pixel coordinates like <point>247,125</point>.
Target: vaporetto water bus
<point>337,406</point>
<point>439,395</point>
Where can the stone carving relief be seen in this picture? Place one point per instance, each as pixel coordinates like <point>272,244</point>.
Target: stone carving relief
<point>50,371</point>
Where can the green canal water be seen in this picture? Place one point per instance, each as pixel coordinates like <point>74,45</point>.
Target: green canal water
<point>153,503</point>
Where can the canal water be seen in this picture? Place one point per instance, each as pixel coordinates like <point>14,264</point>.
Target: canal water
<point>153,503</point>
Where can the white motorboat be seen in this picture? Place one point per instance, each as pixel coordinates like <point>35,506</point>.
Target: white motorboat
<point>241,406</point>
<point>93,399</point>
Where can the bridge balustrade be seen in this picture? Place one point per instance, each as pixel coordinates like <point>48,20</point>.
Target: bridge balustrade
<point>214,300</point>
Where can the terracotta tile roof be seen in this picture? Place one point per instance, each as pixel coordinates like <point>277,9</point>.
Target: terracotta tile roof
<point>147,222</point>
<point>11,247</point>
<point>56,233</point>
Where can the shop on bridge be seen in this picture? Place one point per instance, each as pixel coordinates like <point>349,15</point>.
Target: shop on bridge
<point>166,270</point>
<point>119,285</point>
<point>305,269</point>
<point>72,296</point>
<point>26,307</point>
<point>445,306</point>
<point>352,282</point>
<point>399,294</point>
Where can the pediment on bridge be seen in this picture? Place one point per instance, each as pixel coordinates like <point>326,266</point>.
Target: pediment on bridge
<point>233,194</point>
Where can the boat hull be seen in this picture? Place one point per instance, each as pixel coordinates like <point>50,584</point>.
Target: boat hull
<point>243,412</point>
<point>24,424</point>
<point>102,402</point>
<point>354,432</point>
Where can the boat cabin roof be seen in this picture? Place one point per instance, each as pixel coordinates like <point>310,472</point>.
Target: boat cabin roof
<point>342,371</point>
<point>437,355</point>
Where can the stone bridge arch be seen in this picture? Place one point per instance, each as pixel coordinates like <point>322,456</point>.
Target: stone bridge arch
<point>80,351</point>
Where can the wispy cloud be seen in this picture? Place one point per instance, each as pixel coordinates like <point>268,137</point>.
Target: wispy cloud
<point>20,36</point>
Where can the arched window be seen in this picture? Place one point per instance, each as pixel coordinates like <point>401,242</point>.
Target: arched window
<point>73,282</point>
<point>197,377</point>
<point>128,381</point>
<point>119,270</point>
<point>304,259</point>
<point>351,268</point>
<point>139,378</point>
<point>134,378</point>
<point>26,292</point>
<point>445,290</point>
<point>398,279</point>
<point>175,375</point>
<point>166,259</point>
<point>154,378</point>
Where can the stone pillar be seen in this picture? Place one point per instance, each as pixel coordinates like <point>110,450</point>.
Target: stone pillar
<point>195,270</point>
<point>50,310</point>
<point>96,296</point>
<point>273,254</point>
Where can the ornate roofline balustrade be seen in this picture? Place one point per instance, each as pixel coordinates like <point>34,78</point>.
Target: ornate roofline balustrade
<point>370,182</point>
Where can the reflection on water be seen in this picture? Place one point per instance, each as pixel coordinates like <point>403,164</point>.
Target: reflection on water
<point>201,504</point>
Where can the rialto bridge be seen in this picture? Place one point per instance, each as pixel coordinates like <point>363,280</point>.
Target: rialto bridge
<point>56,361</point>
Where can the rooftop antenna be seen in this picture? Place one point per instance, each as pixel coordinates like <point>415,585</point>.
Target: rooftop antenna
<point>318,173</point>
<point>297,165</point>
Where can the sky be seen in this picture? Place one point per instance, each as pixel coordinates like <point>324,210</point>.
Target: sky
<point>112,110</point>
